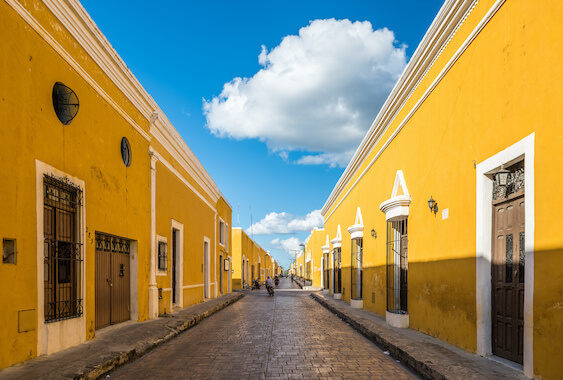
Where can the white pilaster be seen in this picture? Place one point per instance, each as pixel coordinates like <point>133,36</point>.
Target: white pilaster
<point>153,290</point>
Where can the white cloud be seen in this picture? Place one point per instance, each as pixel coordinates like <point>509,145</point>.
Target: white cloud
<point>317,92</point>
<point>284,223</point>
<point>287,245</point>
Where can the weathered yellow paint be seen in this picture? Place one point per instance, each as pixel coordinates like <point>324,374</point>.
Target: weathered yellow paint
<point>117,199</point>
<point>500,90</point>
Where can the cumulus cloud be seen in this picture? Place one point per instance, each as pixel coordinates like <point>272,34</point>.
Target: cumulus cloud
<point>317,92</point>
<point>284,223</point>
<point>287,245</point>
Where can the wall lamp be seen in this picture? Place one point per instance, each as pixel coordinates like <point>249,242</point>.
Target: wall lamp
<point>374,234</point>
<point>433,205</point>
<point>502,176</point>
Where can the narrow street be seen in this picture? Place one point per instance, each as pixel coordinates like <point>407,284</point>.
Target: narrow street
<point>288,336</point>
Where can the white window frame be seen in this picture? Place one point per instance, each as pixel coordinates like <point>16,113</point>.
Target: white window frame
<point>59,335</point>
<point>221,232</point>
<point>227,237</point>
<point>161,239</point>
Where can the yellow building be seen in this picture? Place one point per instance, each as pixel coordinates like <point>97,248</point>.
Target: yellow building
<point>314,260</point>
<point>445,219</point>
<point>107,215</point>
<point>250,260</point>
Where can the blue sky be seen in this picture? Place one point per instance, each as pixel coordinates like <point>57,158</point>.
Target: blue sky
<point>312,76</point>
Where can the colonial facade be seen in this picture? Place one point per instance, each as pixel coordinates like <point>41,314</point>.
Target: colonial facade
<point>313,260</point>
<point>250,260</point>
<point>445,220</point>
<point>108,216</point>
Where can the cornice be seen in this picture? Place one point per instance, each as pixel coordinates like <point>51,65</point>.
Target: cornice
<point>80,25</point>
<point>448,20</point>
<point>173,143</point>
<point>49,39</point>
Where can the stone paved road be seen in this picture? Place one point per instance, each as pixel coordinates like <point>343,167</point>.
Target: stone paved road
<point>288,336</point>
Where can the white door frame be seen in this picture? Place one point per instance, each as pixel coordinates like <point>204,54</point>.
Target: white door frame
<point>57,336</point>
<point>523,149</point>
<point>206,269</point>
<point>179,255</point>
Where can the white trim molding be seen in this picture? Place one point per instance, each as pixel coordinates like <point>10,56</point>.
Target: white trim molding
<point>193,286</point>
<point>450,18</point>
<point>160,272</point>
<point>357,229</point>
<point>397,206</point>
<point>179,227</point>
<point>59,335</point>
<point>326,247</point>
<point>153,290</point>
<point>523,149</point>
<point>72,15</point>
<point>206,269</point>
<point>337,241</point>
<point>223,231</point>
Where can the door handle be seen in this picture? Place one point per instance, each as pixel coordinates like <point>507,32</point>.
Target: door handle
<point>109,282</point>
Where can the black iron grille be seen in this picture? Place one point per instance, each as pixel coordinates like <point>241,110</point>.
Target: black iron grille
<point>62,249</point>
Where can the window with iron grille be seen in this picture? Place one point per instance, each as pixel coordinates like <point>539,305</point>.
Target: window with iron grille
<point>397,266</point>
<point>357,264</point>
<point>337,265</point>
<point>162,256</point>
<point>62,249</point>
<point>326,265</point>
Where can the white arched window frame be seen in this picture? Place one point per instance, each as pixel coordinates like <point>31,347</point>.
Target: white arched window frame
<point>356,236</point>
<point>337,264</point>
<point>396,211</point>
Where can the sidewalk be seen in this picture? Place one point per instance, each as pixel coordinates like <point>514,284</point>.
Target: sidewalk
<point>428,356</point>
<point>116,345</point>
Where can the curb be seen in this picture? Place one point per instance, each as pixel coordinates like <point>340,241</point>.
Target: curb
<point>298,284</point>
<point>420,367</point>
<point>127,357</point>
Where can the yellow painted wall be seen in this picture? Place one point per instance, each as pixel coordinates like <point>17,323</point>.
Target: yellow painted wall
<point>176,201</point>
<point>224,211</point>
<point>88,148</point>
<point>313,248</point>
<point>117,199</point>
<point>498,92</point>
<point>244,246</point>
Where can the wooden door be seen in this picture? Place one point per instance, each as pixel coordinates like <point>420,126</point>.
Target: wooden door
<point>508,259</point>
<point>174,263</point>
<point>221,274</point>
<point>103,282</point>
<point>113,293</point>
<point>120,275</point>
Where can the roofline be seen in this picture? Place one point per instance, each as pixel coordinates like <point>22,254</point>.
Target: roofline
<point>446,23</point>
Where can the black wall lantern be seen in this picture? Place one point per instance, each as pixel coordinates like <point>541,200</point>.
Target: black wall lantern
<point>502,176</point>
<point>433,205</point>
<point>65,103</point>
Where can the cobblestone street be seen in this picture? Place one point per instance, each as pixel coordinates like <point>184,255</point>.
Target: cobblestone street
<point>288,336</point>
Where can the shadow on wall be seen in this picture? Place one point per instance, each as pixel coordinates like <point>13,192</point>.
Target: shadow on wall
<point>441,300</point>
